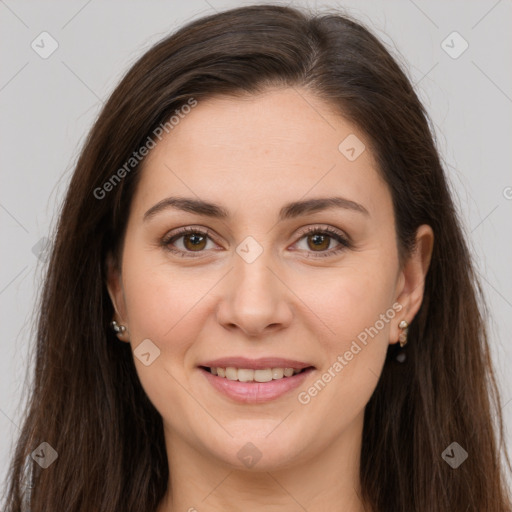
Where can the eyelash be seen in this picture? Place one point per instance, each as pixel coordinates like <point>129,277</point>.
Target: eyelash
<point>344,243</point>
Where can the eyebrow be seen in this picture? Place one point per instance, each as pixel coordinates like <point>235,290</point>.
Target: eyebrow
<point>288,211</point>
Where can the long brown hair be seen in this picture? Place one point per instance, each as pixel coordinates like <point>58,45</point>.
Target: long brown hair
<point>86,401</point>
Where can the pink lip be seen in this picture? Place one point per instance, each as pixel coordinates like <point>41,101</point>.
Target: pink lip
<point>255,364</point>
<point>256,392</point>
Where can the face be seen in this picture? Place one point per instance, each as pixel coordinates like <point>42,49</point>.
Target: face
<point>267,270</point>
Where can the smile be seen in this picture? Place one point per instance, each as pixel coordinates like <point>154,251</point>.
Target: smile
<point>250,375</point>
<point>254,386</point>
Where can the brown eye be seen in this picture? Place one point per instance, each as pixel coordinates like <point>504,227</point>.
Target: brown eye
<point>318,242</point>
<point>194,241</point>
<point>188,241</point>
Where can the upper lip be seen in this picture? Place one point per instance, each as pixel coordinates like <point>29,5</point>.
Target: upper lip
<point>255,364</point>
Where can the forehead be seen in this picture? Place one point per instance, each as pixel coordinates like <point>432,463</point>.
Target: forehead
<point>261,148</point>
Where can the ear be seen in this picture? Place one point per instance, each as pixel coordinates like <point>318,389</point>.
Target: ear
<point>116,293</point>
<point>411,280</point>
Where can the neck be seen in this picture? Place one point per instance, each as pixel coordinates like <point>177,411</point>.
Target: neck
<point>200,481</point>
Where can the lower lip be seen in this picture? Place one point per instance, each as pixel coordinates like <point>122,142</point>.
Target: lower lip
<point>256,392</point>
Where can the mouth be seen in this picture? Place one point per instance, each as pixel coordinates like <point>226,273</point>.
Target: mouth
<point>255,385</point>
<point>260,375</point>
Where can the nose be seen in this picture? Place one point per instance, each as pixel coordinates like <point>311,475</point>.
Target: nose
<point>255,298</point>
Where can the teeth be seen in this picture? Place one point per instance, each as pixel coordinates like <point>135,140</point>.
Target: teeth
<point>262,375</point>
<point>231,373</point>
<point>277,373</point>
<point>249,375</point>
<point>245,375</point>
<point>288,372</point>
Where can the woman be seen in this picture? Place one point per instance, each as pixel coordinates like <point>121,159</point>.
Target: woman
<point>259,295</point>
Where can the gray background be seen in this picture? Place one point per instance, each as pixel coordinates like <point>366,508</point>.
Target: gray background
<point>48,105</point>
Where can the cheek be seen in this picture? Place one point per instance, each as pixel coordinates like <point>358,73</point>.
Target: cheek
<point>172,308</point>
<point>160,303</point>
<point>359,311</point>
<point>165,307</point>
<point>356,306</point>
<point>350,300</point>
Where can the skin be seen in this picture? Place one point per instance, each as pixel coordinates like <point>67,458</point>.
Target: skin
<point>252,155</point>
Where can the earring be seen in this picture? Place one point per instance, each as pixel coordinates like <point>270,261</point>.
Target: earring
<point>118,329</point>
<point>403,336</point>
